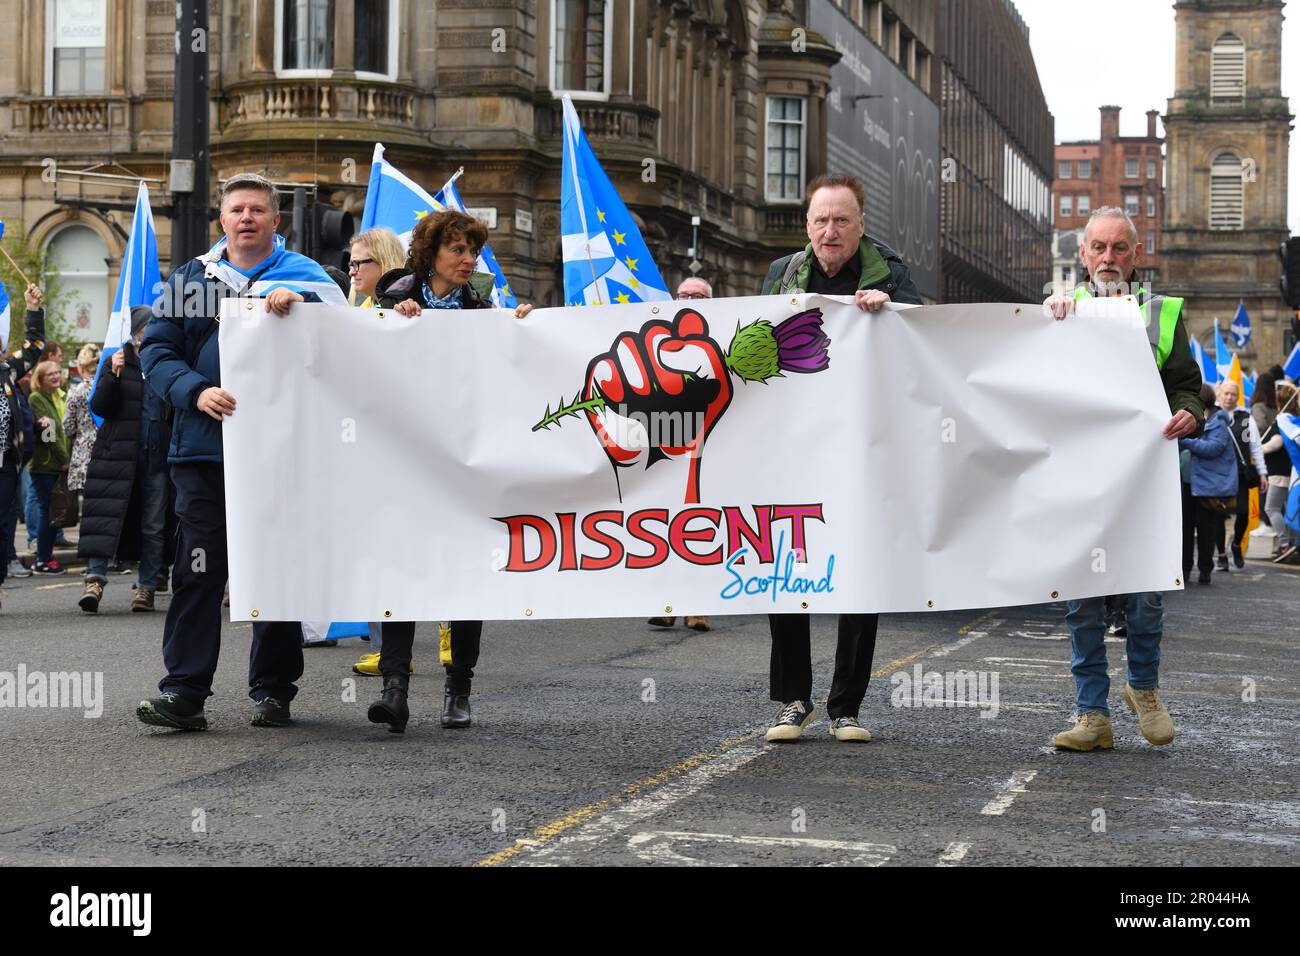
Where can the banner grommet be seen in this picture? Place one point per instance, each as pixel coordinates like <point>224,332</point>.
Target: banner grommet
<point>253,613</point>
<point>528,612</point>
<point>1055,595</point>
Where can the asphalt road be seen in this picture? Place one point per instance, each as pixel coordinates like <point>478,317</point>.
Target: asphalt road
<point>575,758</point>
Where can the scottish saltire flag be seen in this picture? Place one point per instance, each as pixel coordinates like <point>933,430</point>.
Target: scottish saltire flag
<point>1289,426</point>
<point>1222,354</point>
<point>398,203</point>
<point>1292,366</point>
<point>5,313</point>
<point>605,259</point>
<point>315,632</point>
<point>5,318</point>
<point>139,284</point>
<point>1248,386</point>
<point>1208,371</point>
<point>502,297</point>
<point>1240,327</point>
<point>282,269</point>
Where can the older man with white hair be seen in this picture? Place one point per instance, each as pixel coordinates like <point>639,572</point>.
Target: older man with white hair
<point>1110,254</point>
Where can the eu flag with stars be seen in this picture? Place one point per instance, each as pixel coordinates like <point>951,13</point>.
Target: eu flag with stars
<point>606,261</point>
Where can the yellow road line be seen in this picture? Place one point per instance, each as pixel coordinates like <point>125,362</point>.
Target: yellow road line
<point>549,831</point>
<point>51,587</point>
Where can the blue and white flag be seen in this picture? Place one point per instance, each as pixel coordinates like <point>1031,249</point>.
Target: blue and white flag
<point>398,203</point>
<point>606,261</point>
<point>281,269</point>
<point>1240,327</point>
<point>502,297</point>
<point>1222,355</point>
<point>1292,365</point>
<point>139,284</point>
<point>1289,426</point>
<point>1248,386</point>
<point>5,315</point>
<point>1209,373</point>
<point>5,318</point>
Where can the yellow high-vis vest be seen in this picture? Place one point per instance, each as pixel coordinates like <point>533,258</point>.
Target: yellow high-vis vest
<point>1160,333</point>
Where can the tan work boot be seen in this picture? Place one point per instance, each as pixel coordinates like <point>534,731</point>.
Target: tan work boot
<point>91,596</point>
<point>143,600</point>
<point>1157,726</point>
<point>662,621</point>
<point>698,623</point>
<point>1091,731</point>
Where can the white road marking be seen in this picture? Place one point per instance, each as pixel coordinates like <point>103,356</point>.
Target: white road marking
<point>955,645</point>
<point>954,854</point>
<point>656,846</point>
<point>1008,792</point>
<point>616,821</point>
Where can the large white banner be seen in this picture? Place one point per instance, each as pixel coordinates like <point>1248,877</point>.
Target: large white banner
<point>730,456</point>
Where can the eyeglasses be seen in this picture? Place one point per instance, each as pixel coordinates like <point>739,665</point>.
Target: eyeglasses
<point>691,295</point>
<point>356,264</point>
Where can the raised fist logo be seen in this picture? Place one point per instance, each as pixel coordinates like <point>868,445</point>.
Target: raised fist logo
<point>658,393</point>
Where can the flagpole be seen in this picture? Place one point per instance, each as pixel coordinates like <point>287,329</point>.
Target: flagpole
<point>16,265</point>
<point>570,139</point>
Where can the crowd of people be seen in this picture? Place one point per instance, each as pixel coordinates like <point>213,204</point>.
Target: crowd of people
<point>154,462</point>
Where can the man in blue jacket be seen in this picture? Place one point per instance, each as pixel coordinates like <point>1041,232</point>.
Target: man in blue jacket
<point>182,363</point>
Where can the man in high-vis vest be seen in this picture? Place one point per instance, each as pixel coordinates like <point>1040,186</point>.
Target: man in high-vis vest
<point>1110,254</point>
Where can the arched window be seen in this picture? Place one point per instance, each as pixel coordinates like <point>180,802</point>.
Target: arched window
<point>1227,193</point>
<point>1228,70</point>
<point>79,260</point>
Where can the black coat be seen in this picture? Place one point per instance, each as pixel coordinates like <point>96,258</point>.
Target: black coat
<point>19,441</point>
<point>399,285</point>
<point>110,515</point>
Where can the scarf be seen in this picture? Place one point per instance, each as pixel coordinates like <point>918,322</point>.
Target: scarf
<point>281,269</point>
<point>452,300</point>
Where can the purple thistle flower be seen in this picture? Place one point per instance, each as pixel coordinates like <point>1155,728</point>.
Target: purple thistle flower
<point>801,344</point>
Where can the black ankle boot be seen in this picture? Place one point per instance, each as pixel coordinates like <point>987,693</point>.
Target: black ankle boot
<point>455,709</point>
<point>391,707</point>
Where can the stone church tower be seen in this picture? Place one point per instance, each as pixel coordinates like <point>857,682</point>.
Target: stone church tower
<point>1228,127</point>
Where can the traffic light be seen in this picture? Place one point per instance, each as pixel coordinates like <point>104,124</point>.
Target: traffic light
<point>1290,253</point>
<point>329,233</point>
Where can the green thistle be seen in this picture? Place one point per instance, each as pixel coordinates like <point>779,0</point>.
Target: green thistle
<point>754,354</point>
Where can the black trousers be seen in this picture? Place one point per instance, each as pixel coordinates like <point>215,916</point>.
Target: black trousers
<point>791,669</point>
<point>1243,511</point>
<point>1209,526</point>
<point>399,636</point>
<point>192,632</point>
<point>1189,530</point>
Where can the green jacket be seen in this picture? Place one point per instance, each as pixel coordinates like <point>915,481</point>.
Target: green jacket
<point>50,456</point>
<point>881,268</point>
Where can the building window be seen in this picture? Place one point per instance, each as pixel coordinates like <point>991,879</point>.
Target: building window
<point>1067,206</point>
<point>1085,169</point>
<point>1151,207</point>
<point>1131,203</point>
<point>1151,244</point>
<point>307,35</point>
<point>785,148</point>
<point>1227,193</point>
<point>76,51</point>
<point>1065,170</point>
<point>582,31</point>
<point>374,30</point>
<point>1065,275</point>
<point>1227,70</point>
<point>79,257</point>
<point>1130,169</point>
<point>1084,205</point>
<point>875,17</point>
<point>1151,169</point>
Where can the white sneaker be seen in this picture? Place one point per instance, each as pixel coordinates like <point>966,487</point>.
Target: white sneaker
<point>792,720</point>
<point>16,570</point>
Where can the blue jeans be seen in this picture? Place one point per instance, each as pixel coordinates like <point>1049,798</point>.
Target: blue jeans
<point>29,505</point>
<point>1087,621</point>
<point>44,487</point>
<point>153,520</point>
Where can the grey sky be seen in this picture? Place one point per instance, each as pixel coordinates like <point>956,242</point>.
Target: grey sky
<point>1121,52</point>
